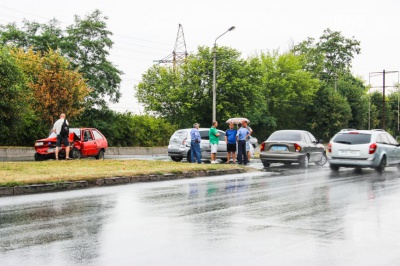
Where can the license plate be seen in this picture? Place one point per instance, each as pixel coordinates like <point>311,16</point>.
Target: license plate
<point>51,150</point>
<point>279,148</point>
<point>349,152</point>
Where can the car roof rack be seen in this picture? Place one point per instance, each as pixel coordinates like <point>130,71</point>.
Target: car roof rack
<point>378,129</point>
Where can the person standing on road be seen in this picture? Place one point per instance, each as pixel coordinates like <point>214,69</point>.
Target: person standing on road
<point>195,137</point>
<point>242,134</point>
<point>214,140</point>
<point>61,139</point>
<point>230,139</point>
<point>248,143</point>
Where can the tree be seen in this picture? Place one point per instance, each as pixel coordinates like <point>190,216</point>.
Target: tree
<point>288,89</point>
<point>355,93</point>
<point>13,98</point>
<point>331,56</point>
<point>329,114</point>
<point>56,88</point>
<point>87,44</point>
<point>184,96</point>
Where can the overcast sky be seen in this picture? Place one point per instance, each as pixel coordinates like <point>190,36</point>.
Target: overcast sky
<point>146,30</point>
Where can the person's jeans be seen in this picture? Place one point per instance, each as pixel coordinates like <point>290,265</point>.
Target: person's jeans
<point>195,151</point>
<point>242,154</point>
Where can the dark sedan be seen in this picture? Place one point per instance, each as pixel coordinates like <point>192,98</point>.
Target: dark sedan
<point>292,146</point>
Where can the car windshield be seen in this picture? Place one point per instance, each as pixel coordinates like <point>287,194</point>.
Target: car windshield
<point>352,139</point>
<point>285,136</point>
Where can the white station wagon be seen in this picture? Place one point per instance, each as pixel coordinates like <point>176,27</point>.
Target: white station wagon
<point>363,148</point>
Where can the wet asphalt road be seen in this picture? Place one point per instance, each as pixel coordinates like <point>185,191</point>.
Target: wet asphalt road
<point>284,216</point>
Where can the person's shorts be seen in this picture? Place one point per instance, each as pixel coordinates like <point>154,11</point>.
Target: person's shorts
<point>62,140</point>
<point>248,145</point>
<point>214,148</point>
<point>231,147</point>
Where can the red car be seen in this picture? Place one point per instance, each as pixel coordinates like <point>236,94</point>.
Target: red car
<point>84,142</point>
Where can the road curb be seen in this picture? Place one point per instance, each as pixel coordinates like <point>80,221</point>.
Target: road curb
<point>109,181</point>
<point>15,152</point>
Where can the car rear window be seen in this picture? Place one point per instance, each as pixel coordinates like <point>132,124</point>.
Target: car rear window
<point>285,136</point>
<point>181,134</point>
<point>352,139</point>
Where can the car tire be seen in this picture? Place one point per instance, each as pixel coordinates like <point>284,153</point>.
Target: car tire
<point>75,154</point>
<point>304,162</point>
<point>100,155</point>
<point>381,167</point>
<point>176,158</point>
<point>266,164</point>
<point>38,157</point>
<point>334,168</point>
<point>323,161</point>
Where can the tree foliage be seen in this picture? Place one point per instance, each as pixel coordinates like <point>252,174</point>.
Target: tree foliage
<point>331,56</point>
<point>13,97</point>
<point>184,95</point>
<point>86,43</point>
<point>56,88</point>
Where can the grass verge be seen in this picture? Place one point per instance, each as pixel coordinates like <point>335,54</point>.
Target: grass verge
<point>25,173</point>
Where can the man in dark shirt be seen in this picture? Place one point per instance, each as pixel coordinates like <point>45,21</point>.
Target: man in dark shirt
<point>230,139</point>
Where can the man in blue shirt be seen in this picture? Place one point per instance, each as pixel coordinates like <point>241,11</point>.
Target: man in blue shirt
<point>242,134</point>
<point>230,139</point>
<point>195,150</point>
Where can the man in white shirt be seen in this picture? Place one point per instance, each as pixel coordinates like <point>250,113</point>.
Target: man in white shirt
<point>61,139</point>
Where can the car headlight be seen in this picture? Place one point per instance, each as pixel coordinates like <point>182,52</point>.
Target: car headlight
<point>39,143</point>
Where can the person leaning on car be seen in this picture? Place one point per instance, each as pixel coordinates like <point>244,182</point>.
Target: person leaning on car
<point>195,150</point>
<point>61,139</point>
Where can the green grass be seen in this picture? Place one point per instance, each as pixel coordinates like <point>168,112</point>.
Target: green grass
<point>24,173</point>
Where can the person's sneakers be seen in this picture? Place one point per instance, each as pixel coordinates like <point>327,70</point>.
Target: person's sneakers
<point>213,162</point>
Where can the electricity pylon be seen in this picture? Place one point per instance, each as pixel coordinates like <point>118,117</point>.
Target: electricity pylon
<point>179,54</point>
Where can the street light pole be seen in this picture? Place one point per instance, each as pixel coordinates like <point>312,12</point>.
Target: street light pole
<point>214,104</point>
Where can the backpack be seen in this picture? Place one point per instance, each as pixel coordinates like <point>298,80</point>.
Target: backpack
<point>64,129</point>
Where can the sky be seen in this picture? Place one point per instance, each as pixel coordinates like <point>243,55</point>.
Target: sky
<point>146,30</point>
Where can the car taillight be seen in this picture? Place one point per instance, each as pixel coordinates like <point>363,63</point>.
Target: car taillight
<point>330,147</point>
<point>297,147</point>
<point>262,146</point>
<point>372,148</point>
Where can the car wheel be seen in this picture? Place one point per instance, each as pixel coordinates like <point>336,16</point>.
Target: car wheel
<point>75,154</point>
<point>39,157</point>
<point>176,158</point>
<point>334,167</point>
<point>189,156</point>
<point>100,156</point>
<point>323,161</point>
<point>304,162</point>
<point>266,164</point>
<point>382,165</point>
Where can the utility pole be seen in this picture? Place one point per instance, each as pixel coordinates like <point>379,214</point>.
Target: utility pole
<point>383,73</point>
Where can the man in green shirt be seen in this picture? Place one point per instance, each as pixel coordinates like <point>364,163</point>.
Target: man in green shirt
<point>214,139</point>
